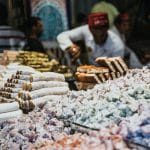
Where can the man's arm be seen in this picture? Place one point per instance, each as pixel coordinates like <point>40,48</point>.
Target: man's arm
<point>66,39</point>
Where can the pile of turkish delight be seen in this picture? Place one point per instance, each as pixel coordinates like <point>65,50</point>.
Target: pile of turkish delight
<point>26,88</point>
<point>102,140</point>
<point>109,102</point>
<point>120,106</point>
<point>137,128</point>
<point>32,130</point>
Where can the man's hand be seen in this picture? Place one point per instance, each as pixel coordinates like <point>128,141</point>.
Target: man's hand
<point>74,52</point>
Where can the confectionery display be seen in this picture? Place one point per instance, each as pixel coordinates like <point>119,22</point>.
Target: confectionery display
<point>88,76</point>
<point>78,81</point>
<point>25,88</point>
<point>36,60</point>
<point>96,140</point>
<point>41,62</point>
<point>137,127</point>
<point>109,102</point>
<point>115,64</point>
<point>32,130</point>
<point>110,110</point>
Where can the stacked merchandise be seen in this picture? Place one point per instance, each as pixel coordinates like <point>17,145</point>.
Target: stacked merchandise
<point>41,130</point>
<point>113,102</point>
<point>40,62</point>
<point>29,88</point>
<point>12,86</point>
<point>88,76</point>
<point>107,103</point>
<point>9,108</point>
<point>110,68</point>
<point>115,64</point>
<point>39,86</point>
<point>36,60</point>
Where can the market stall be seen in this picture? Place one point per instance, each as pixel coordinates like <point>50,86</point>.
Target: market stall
<point>39,111</point>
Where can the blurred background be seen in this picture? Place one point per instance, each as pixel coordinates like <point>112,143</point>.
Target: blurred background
<point>60,15</point>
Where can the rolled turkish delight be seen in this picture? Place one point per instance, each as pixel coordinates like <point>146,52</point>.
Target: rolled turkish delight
<point>6,100</point>
<point>46,98</point>
<point>43,84</point>
<point>18,81</point>
<point>9,80</point>
<point>25,72</point>
<point>8,95</point>
<point>47,76</point>
<point>8,107</point>
<point>13,95</point>
<point>13,90</point>
<point>22,77</point>
<point>27,105</point>
<point>12,85</point>
<point>9,85</point>
<point>43,92</point>
<point>12,114</point>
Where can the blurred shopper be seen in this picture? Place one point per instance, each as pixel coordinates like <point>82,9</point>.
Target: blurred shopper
<point>122,29</point>
<point>110,9</point>
<point>98,39</point>
<point>35,29</point>
<point>10,38</point>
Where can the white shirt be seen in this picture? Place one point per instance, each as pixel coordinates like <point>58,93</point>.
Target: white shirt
<point>112,47</point>
<point>116,31</point>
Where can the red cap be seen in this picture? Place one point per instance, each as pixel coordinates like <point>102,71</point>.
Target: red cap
<point>98,19</point>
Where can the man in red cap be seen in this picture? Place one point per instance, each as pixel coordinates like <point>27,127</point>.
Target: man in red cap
<point>98,39</point>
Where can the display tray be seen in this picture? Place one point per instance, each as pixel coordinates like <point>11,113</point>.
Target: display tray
<point>75,127</point>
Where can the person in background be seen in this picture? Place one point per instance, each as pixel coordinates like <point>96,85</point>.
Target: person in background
<point>98,39</point>
<point>110,9</point>
<point>35,28</point>
<point>122,25</point>
<point>10,38</point>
